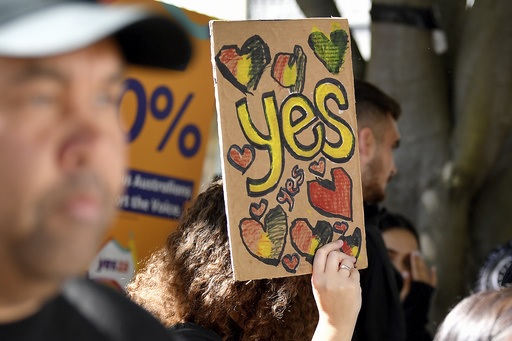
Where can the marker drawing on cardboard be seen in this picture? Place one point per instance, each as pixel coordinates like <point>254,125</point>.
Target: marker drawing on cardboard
<point>286,113</point>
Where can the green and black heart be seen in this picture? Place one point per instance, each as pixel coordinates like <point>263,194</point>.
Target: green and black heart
<point>330,51</point>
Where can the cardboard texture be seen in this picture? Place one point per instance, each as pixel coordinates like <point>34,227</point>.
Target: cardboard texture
<point>287,131</point>
<point>167,116</point>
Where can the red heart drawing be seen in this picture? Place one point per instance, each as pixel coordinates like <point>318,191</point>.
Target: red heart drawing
<point>352,245</point>
<point>332,198</point>
<point>289,69</point>
<point>318,168</point>
<point>340,227</point>
<point>241,158</point>
<point>290,262</point>
<point>265,241</point>
<point>306,239</point>
<point>258,210</point>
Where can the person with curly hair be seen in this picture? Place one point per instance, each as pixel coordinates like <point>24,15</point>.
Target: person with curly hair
<point>486,315</point>
<point>189,285</point>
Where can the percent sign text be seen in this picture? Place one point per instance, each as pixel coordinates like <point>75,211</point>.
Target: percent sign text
<point>188,133</point>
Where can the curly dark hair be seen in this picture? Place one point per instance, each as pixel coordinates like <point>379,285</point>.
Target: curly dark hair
<point>191,280</point>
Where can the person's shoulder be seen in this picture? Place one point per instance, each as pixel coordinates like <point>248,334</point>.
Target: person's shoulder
<point>112,313</point>
<point>192,332</point>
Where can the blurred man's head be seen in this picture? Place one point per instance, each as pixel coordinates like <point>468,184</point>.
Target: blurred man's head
<point>378,137</point>
<point>62,150</point>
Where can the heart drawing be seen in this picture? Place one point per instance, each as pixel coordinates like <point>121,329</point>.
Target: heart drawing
<point>330,51</point>
<point>241,158</point>
<point>258,210</point>
<point>265,242</point>
<point>352,245</point>
<point>318,168</point>
<point>306,239</point>
<point>244,66</point>
<point>332,198</point>
<point>340,227</point>
<point>289,69</point>
<point>291,262</point>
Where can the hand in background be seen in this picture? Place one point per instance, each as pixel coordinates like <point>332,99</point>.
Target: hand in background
<point>420,272</point>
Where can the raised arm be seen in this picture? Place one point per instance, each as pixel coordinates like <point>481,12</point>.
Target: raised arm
<point>337,292</point>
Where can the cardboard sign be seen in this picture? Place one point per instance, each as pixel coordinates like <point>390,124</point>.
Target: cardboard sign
<point>167,116</point>
<point>286,112</point>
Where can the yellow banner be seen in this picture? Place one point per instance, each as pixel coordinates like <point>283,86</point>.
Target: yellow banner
<point>167,116</point>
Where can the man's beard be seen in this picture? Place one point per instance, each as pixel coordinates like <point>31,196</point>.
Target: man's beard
<point>372,191</point>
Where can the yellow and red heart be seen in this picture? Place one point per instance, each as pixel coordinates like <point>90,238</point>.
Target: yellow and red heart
<point>318,167</point>
<point>289,69</point>
<point>306,240</point>
<point>352,245</point>
<point>257,210</point>
<point>241,158</point>
<point>331,52</point>
<point>332,198</point>
<point>291,262</point>
<point>265,241</point>
<point>244,66</point>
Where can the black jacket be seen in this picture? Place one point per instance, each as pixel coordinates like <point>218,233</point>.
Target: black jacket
<point>381,317</point>
<point>416,308</point>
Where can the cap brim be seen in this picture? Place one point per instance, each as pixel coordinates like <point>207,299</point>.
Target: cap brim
<point>145,39</point>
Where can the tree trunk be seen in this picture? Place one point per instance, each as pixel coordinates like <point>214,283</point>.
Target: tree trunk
<point>482,142</point>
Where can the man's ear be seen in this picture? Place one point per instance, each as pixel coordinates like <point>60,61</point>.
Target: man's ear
<point>366,140</point>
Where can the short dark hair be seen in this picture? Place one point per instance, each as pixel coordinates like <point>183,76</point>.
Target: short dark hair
<point>388,221</point>
<point>372,103</point>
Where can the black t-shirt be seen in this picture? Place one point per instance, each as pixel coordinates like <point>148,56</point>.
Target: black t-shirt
<point>87,311</point>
